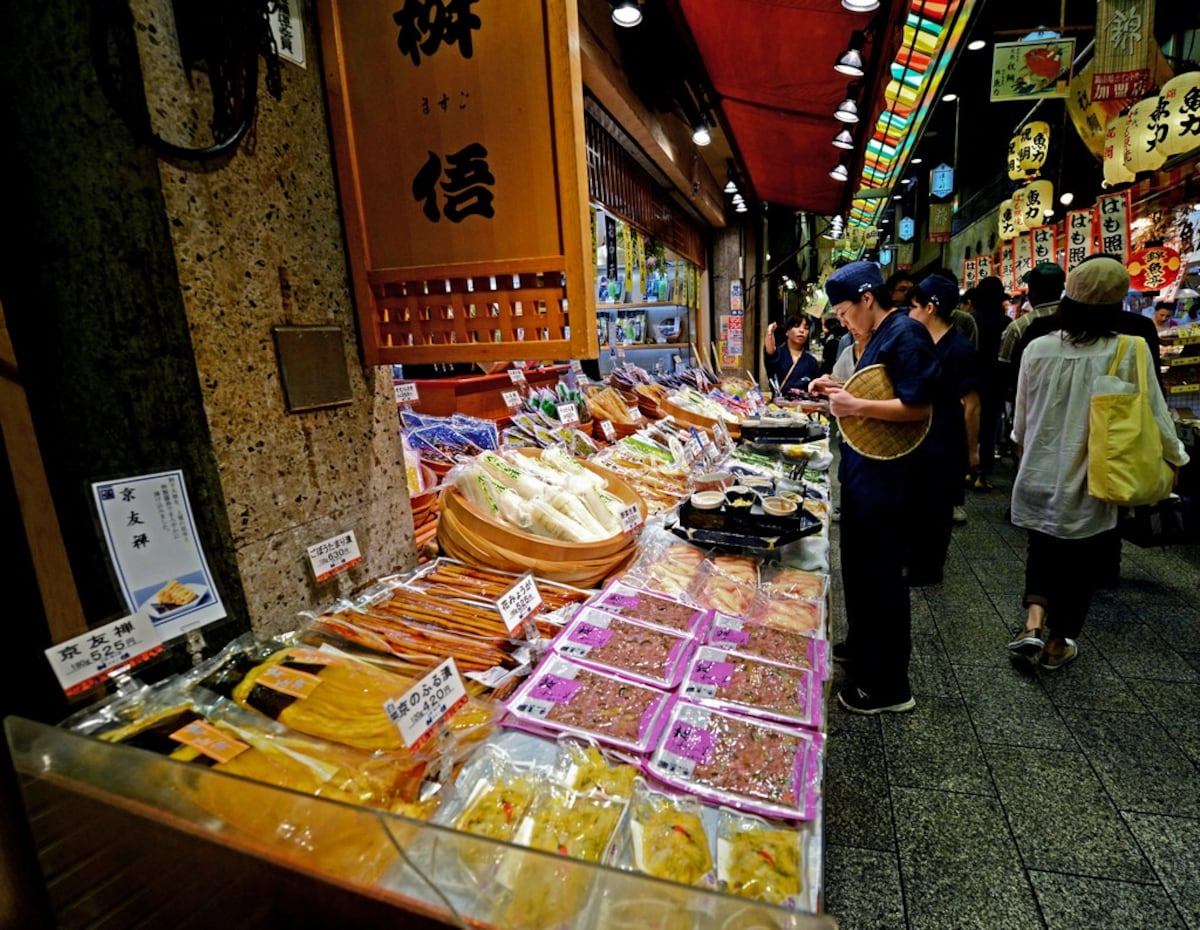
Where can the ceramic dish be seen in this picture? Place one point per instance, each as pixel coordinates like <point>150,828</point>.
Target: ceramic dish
<point>707,500</point>
<point>779,506</point>
<point>741,497</point>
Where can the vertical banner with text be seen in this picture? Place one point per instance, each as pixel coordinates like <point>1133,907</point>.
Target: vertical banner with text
<point>983,268</point>
<point>1113,215</point>
<point>1080,235</point>
<point>1006,266</point>
<point>1022,258</point>
<point>1045,244</point>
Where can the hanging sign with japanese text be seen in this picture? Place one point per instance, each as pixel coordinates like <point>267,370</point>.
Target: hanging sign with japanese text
<point>1080,236</point>
<point>968,274</point>
<point>1006,266</point>
<point>459,142</point>
<point>333,556</point>
<point>1025,70</point>
<point>1006,225</point>
<point>1022,258</point>
<point>1124,46</point>
<point>1154,269</point>
<point>1113,216</point>
<point>1179,117</point>
<point>904,256</point>
<point>1045,244</point>
<point>432,701</point>
<point>151,534</point>
<point>940,216</point>
<point>983,268</point>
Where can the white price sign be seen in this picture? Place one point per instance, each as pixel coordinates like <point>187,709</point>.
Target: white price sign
<point>635,414</point>
<point>568,414</point>
<point>631,518</point>
<point>516,376</point>
<point>512,400</point>
<point>334,555</point>
<point>576,366</point>
<point>583,380</point>
<point>609,431</point>
<point>406,393</point>
<point>106,651</point>
<point>519,603</point>
<point>426,705</point>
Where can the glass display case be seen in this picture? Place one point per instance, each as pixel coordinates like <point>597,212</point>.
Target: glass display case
<point>126,837</point>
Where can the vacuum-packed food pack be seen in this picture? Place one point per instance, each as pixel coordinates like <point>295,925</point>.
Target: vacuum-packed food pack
<point>633,650</point>
<point>751,685</point>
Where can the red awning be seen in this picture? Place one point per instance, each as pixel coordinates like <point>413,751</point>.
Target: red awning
<point>771,67</point>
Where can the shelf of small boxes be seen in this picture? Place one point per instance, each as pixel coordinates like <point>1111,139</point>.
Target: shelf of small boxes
<point>1180,365</point>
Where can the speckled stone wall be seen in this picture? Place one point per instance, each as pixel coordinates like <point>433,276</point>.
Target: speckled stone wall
<point>141,296</point>
<point>259,244</point>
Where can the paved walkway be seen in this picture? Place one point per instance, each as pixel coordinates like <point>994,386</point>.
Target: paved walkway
<point>1020,800</point>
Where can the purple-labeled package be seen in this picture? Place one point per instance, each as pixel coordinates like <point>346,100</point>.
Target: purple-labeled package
<point>746,684</point>
<point>597,639</point>
<point>646,607</point>
<point>788,647</point>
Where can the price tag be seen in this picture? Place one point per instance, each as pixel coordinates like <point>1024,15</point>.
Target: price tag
<point>583,380</point>
<point>609,431</point>
<point>721,435</point>
<point>512,400</point>
<point>631,518</point>
<point>406,393</point>
<point>691,451</point>
<point>516,376</point>
<point>635,414</point>
<point>104,652</point>
<point>519,603</point>
<point>577,366</point>
<point>621,354</point>
<point>568,414</point>
<point>210,741</point>
<point>426,705</point>
<point>334,555</point>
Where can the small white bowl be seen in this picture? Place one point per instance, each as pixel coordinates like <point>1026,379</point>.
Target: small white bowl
<point>707,500</point>
<point>778,506</point>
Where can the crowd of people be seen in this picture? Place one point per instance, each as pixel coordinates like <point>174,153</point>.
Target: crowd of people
<point>989,374</point>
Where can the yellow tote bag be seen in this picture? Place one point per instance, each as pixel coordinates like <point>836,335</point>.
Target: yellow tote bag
<point>1125,454</point>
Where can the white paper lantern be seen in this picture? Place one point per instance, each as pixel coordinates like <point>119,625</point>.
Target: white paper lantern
<point>1180,99</point>
<point>1018,211</point>
<point>1140,150</point>
<point>1032,201</point>
<point>1004,219</point>
<point>1013,159</point>
<point>1115,171</point>
<point>1035,144</point>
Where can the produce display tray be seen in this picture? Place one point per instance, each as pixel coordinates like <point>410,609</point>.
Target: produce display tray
<point>754,530</point>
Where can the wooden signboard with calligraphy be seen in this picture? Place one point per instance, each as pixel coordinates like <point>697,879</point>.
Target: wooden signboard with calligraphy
<point>458,130</point>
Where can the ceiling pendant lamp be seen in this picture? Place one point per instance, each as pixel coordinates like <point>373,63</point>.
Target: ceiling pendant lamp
<point>741,208</point>
<point>861,6</point>
<point>844,140</point>
<point>700,133</point>
<point>851,60</point>
<point>626,12</point>
<point>840,172</point>
<point>847,110</point>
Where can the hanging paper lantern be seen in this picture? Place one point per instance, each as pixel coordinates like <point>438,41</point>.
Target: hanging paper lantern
<point>1115,171</point>
<point>1036,198</point>
<point>1004,219</point>
<point>1035,143</point>
<point>1018,211</point>
<point>1140,150</point>
<point>1180,103</point>
<point>1013,159</point>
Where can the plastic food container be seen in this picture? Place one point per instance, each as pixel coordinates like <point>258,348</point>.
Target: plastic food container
<point>708,500</point>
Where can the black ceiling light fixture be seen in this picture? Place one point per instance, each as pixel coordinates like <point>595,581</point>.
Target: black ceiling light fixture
<point>626,13</point>
<point>851,60</point>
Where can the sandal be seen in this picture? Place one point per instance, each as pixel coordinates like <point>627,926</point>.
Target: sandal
<point>1028,644</point>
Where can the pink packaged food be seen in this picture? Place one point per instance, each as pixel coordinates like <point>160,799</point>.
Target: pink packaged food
<point>801,650</point>
<point>753,765</point>
<point>597,639</point>
<point>568,698</point>
<point>655,609</point>
<point>750,685</point>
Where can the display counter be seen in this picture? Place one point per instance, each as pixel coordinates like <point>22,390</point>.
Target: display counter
<point>476,395</point>
<point>127,837</point>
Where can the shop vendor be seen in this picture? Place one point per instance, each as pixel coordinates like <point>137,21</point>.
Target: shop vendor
<point>791,367</point>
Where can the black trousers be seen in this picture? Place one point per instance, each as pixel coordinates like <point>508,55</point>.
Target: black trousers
<point>878,618</point>
<point>1061,574</point>
<point>934,491</point>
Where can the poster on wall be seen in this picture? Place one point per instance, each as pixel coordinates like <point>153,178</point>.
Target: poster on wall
<point>1080,236</point>
<point>1113,214</point>
<point>151,535</point>
<point>1026,70</point>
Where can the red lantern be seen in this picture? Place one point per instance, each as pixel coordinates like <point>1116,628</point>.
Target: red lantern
<point>1154,269</point>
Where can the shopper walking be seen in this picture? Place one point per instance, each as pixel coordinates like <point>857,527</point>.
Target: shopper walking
<point>1069,531</point>
<point>878,641</point>
<point>791,366</point>
<point>987,306</point>
<point>952,446</point>
<point>1045,286</point>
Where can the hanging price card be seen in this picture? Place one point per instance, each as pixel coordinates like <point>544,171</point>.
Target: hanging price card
<point>406,393</point>
<point>519,603</point>
<point>516,376</point>
<point>631,518</point>
<point>568,414</point>
<point>429,703</point>
<point>334,555</point>
<point>609,431</point>
<point>512,400</point>
<point>635,415</point>
<point>104,652</point>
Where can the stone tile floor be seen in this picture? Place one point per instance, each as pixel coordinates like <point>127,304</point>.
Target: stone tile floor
<point>1014,799</point>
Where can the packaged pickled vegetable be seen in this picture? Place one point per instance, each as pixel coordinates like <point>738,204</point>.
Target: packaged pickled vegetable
<point>754,765</point>
<point>665,836</point>
<point>582,766</point>
<point>647,607</point>
<point>565,697</point>
<point>633,650</point>
<point>748,684</point>
<point>788,647</point>
<point>759,860</point>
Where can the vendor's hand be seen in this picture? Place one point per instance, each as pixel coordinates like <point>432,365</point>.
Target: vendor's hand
<point>824,385</point>
<point>844,404</point>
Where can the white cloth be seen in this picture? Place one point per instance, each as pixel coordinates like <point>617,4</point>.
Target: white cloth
<point>1050,423</point>
<point>843,368</point>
